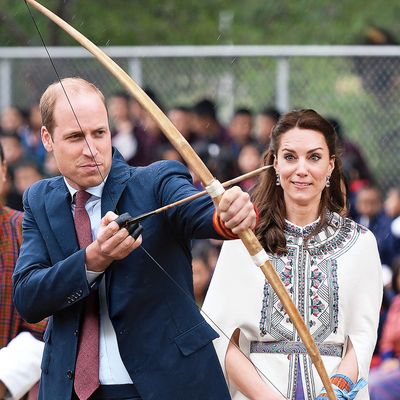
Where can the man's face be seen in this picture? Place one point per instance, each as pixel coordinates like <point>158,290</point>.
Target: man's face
<point>83,156</point>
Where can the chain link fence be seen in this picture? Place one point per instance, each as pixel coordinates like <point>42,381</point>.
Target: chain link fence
<point>357,85</point>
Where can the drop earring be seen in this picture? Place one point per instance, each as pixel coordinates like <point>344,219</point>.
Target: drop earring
<point>328,181</point>
<point>278,180</point>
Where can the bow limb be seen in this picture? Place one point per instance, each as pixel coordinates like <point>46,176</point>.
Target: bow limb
<point>249,239</point>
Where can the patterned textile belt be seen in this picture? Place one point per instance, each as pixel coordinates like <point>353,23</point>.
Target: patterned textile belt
<point>286,347</point>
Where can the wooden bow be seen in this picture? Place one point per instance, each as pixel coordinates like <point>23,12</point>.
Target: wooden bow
<point>195,163</point>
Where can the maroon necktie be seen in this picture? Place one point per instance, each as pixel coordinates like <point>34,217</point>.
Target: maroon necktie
<point>87,362</point>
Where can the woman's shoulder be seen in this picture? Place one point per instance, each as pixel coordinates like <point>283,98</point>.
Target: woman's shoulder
<point>343,232</point>
<point>340,221</point>
<point>365,241</point>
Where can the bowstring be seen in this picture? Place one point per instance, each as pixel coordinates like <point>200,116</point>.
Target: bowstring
<point>169,276</point>
<point>68,100</point>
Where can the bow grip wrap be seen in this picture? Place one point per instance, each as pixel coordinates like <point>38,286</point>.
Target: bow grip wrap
<point>134,229</point>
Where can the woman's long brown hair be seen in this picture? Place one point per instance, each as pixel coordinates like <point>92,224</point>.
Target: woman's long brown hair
<point>268,197</point>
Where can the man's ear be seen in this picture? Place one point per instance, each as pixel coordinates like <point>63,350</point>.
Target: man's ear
<point>47,140</point>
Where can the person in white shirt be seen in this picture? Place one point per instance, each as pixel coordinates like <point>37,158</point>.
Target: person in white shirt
<point>329,264</point>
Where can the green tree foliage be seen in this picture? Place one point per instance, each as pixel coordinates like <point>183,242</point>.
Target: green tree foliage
<point>174,22</point>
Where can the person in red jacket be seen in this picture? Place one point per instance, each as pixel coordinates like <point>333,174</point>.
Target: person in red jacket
<point>20,347</point>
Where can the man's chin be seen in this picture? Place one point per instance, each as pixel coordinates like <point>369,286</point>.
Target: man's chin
<point>85,183</point>
<point>95,181</point>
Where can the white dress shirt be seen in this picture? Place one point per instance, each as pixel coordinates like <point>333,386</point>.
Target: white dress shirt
<point>112,370</point>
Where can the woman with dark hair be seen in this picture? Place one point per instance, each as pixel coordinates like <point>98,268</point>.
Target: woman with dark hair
<point>328,263</point>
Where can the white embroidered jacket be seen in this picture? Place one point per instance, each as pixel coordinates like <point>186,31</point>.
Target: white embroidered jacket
<point>335,282</point>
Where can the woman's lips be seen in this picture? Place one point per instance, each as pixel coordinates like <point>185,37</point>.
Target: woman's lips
<point>301,184</point>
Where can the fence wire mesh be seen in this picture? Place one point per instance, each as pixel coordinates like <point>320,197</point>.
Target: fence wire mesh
<point>359,91</point>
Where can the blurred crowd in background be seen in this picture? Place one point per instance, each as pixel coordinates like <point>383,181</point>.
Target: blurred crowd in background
<point>228,150</point>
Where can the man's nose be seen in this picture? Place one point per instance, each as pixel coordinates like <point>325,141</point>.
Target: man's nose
<point>89,148</point>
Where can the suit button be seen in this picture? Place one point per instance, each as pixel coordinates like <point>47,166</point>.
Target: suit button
<point>76,332</point>
<point>70,374</point>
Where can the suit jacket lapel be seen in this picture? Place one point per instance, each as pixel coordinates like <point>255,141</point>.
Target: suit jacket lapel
<point>58,208</point>
<point>115,184</point>
<point>58,203</point>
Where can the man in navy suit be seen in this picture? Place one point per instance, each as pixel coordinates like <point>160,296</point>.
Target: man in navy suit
<point>154,344</point>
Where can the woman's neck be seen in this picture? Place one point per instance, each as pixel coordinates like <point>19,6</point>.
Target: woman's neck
<point>301,215</point>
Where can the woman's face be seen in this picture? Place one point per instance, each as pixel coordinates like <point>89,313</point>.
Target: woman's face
<point>303,164</point>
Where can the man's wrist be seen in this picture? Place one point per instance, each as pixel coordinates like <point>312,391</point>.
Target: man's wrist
<point>94,261</point>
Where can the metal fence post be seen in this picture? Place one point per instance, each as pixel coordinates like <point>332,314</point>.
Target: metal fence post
<point>282,84</point>
<point>5,83</point>
<point>135,70</point>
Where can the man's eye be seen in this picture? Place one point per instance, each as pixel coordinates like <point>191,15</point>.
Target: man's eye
<point>74,137</point>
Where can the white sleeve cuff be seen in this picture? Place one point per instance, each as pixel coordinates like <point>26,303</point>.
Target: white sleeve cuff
<point>20,364</point>
<point>92,275</point>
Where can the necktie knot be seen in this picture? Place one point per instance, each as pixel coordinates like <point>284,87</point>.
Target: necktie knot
<point>81,197</point>
<point>82,219</point>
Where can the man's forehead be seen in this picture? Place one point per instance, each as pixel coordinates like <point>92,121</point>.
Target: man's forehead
<point>76,99</point>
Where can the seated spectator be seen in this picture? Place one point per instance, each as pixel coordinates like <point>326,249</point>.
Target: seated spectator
<point>153,137</point>
<point>218,159</point>
<point>249,160</point>
<point>12,121</point>
<point>13,148</point>
<point>13,154</point>
<point>265,121</point>
<point>206,126</point>
<point>392,202</point>
<point>168,152</point>
<point>371,214</point>
<point>241,129</point>
<point>127,136</point>
<point>181,117</point>
<point>355,167</point>
<point>384,380</point>
<point>31,140</point>
<point>20,349</point>
<point>201,270</point>
<point>26,173</point>
<point>392,207</point>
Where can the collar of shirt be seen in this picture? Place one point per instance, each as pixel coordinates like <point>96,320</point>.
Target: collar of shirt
<point>96,191</point>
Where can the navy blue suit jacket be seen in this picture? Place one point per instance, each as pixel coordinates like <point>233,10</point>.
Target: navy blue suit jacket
<point>164,342</point>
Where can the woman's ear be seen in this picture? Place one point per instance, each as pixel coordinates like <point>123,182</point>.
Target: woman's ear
<point>332,164</point>
<point>275,163</point>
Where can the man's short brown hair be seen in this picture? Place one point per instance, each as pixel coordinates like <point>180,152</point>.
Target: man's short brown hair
<point>53,92</point>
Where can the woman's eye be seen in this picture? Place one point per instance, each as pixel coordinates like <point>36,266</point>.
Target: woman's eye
<point>315,157</point>
<point>288,157</point>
